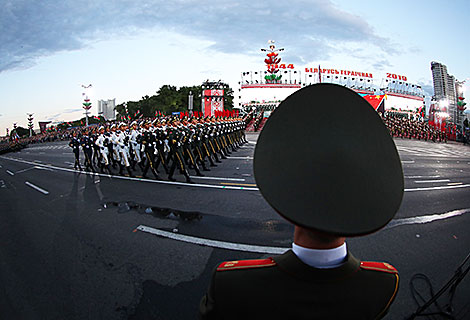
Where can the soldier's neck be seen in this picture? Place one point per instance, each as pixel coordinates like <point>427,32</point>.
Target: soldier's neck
<point>316,240</point>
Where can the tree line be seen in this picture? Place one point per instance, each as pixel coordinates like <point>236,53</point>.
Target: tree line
<point>168,99</point>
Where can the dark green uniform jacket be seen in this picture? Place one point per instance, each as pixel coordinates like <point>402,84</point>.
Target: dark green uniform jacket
<point>283,287</point>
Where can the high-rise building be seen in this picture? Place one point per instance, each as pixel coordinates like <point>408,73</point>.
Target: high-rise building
<point>107,109</point>
<point>445,92</point>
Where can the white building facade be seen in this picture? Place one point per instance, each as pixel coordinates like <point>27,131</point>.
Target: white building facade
<point>107,109</point>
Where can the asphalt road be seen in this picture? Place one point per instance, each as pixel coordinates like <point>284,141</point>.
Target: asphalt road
<point>82,246</point>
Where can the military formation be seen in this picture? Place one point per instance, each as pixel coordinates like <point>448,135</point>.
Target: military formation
<point>405,128</point>
<point>167,144</point>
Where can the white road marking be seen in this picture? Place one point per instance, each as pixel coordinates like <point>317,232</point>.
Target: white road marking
<point>408,161</point>
<point>10,173</point>
<point>136,179</point>
<point>213,243</point>
<point>432,181</point>
<point>240,158</point>
<point>1,167</point>
<point>438,188</point>
<point>44,168</point>
<point>24,170</point>
<point>420,177</point>
<point>454,183</point>
<point>35,167</point>
<point>279,250</point>
<point>218,178</point>
<point>426,218</point>
<point>36,188</point>
<point>202,185</point>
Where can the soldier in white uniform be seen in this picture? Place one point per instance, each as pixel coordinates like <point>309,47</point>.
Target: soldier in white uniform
<point>114,138</point>
<point>102,143</point>
<point>123,147</point>
<point>135,142</point>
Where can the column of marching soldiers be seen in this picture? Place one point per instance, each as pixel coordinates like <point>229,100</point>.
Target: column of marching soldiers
<point>189,143</point>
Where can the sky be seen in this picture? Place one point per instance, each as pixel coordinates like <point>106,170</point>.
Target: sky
<point>129,49</point>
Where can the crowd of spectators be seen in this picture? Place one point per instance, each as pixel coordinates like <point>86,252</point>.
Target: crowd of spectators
<point>15,143</point>
<point>407,126</point>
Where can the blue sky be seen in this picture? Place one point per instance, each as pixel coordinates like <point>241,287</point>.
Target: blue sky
<point>128,49</point>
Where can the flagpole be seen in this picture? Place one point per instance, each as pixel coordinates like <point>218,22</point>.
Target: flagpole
<point>319,74</point>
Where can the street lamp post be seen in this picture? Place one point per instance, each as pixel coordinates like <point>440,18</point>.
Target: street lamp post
<point>86,103</point>
<point>30,123</point>
<point>190,103</point>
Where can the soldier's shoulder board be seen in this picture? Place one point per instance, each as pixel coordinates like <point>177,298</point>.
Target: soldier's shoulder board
<point>378,266</point>
<point>246,264</point>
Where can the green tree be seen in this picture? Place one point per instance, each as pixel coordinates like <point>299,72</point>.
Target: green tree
<point>22,132</point>
<point>168,99</point>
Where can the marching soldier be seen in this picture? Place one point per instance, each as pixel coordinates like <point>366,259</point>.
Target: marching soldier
<point>96,150</point>
<point>333,191</point>
<point>198,146</point>
<point>176,154</point>
<point>123,147</point>
<point>161,145</point>
<point>75,145</point>
<point>87,147</point>
<point>102,143</point>
<point>113,139</point>
<point>188,141</point>
<point>135,141</point>
<point>148,149</point>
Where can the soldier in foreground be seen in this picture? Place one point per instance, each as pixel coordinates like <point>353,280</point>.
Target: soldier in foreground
<point>75,145</point>
<point>349,185</point>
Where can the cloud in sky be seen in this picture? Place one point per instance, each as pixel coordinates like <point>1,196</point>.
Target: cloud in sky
<point>60,115</point>
<point>31,29</point>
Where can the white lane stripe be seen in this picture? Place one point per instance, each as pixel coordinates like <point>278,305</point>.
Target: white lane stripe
<point>36,188</point>
<point>408,150</point>
<point>217,178</point>
<point>1,167</point>
<point>203,185</point>
<point>10,173</point>
<point>426,218</point>
<point>408,161</point>
<point>240,158</point>
<point>213,243</point>
<point>431,181</point>
<point>24,170</point>
<point>136,179</point>
<point>279,250</point>
<point>438,188</point>
<point>35,167</point>
<point>420,177</point>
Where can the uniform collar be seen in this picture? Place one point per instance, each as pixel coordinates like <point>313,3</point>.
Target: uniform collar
<point>291,264</point>
<point>321,258</point>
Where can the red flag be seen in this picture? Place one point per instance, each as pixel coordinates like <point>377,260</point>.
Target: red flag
<point>374,100</point>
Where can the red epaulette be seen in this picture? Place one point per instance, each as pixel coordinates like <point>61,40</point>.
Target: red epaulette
<point>378,266</point>
<point>246,264</point>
